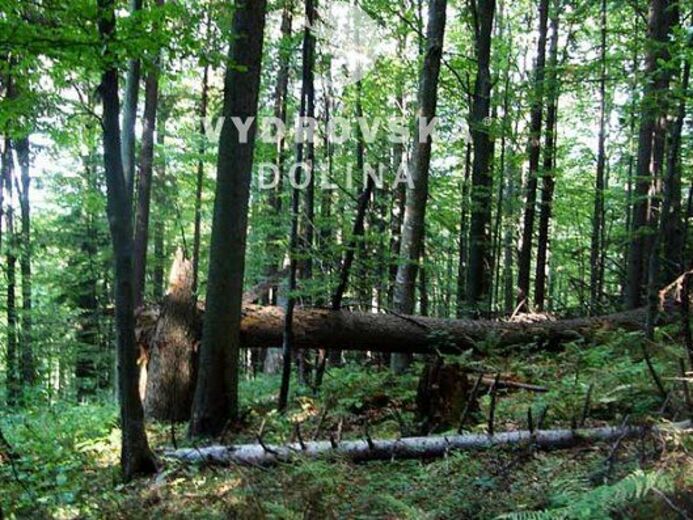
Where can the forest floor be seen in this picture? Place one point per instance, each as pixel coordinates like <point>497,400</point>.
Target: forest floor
<point>66,455</point>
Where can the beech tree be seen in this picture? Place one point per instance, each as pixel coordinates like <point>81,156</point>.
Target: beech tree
<point>216,394</point>
<point>411,246</point>
<point>524,262</point>
<point>479,268</point>
<point>136,457</point>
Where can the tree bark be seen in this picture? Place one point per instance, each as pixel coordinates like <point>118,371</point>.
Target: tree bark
<point>415,207</point>
<point>172,364</point>
<point>650,110</point>
<point>409,447</point>
<point>136,457</point>
<point>480,255</point>
<point>548,174</point>
<point>262,326</point>
<point>216,395</point>
<point>524,263</point>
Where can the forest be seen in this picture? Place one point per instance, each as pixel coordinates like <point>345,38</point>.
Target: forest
<point>425,259</point>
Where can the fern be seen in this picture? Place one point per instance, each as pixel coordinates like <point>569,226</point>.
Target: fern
<point>600,501</point>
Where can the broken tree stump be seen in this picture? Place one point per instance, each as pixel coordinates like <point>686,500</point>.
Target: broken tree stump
<point>172,359</point>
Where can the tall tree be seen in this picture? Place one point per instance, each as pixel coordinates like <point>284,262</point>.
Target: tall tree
<point>417,191</point>
<point>596,267</point>
<point>524,263</point>
<point>216,394</point>
<point>199,180</point>
<point>652,104</point>
<point>673,235</point>
<point>549,164</point>
<point>304,107</point>
<point>280,112</point>
<point>144,180</point>
<point>135,455</point>
<point>13,377</point>
<point>480,257</point>
<point>26,359</point>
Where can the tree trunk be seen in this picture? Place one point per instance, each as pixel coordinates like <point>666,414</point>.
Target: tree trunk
<point>596,267</point>
<point>524,263</point>
<point>127,135</point>
<point>216,395</point>
<point>26,359</point>
<point>144,184</point>
<point>263,327</point>
<point>362,331</point>
<point>274,250</point>
<point>480,257</point>
<point>410,447</point>
<point>306,88</point>
<point>199,180</point>
<point>417,195</point>
<point>650,110</point>
<point>13,376</point>
<point>136,457</point>
<point>548,174</point>
<point>672,222</point>
<point>308,151</point>
<point>172,364</point>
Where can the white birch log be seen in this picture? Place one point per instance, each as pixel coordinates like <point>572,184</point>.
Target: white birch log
<point>410,447</point>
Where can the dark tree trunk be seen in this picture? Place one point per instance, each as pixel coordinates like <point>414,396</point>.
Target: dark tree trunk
<point>144,184</point>
<point>172,364</point>
<point>136,457</point>
<point>480,261</point>
<point>524,263</point>
<point>216,395</point>
<point>13,376</point>
<point>415,208</point>
<point>672,222</point>
<point>308,150</point>
<point>26,360</point>
<point>650,111</point>
<point>548,174</point>
<point>294,249</point>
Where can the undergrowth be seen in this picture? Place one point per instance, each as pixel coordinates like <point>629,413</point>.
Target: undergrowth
<point>66,455</point>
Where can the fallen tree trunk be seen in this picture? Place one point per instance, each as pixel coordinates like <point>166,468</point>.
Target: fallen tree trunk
<point>408,447</point>
<point>322,328</point>
<point>261,326</point>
